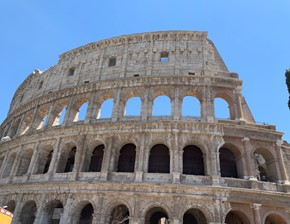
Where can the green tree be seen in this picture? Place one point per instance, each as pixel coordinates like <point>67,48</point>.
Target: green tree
<point>287,74</point>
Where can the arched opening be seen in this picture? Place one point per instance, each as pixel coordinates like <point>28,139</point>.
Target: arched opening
<point>190,107</point>
<point>43,160</point>
<point>133,107</point>
<point>53,212</point>
<point>41,118</point>
<point>127,157</point>
<point>9,164</point>
<point>97,159</point>
<point>274,219</point>
<point>236,217</point>
<point>193,161</point>
<point>156,216</point>
<point>159,159</point>
<point>265,166</point>
<point>70,160</point>
<point>83,111</point>
<point>221,109</point>
<point>161,106</point>
<point>194,216</point>
<point>24,162</point>
<point>28,212</point>
<point>47,162</point>
<point>14,128</point>
<point>86,216</point>
<point>120,214</point>
<point>106,109</point>
<point>26,123</point>
<point>59,114</point>
<point>228,166</point>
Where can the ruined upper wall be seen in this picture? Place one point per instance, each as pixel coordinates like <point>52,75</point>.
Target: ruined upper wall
<point>186,52</point>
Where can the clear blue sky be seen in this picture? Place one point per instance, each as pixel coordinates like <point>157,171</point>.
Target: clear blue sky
<point>253,38</point>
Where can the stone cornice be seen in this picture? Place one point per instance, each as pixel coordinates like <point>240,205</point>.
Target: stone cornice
<point>136,38</point>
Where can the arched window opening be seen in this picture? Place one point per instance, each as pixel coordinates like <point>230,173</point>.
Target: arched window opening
<point>14,128</point>
<point>265,166</point>
<point>162,106</point>
<point>47,162</point>
<point>236,217</point>
<point>26,123</point>
<point>60,114</point>
<point>133,107</point>
<point>9,164</point>
<point>193,161</point>
<point>106,109</point>
<point>28,212</point>
<point>24,162</point>
<point>221,109</point>
<point>127,156</point>
<point>53,212</point>
<point>97,159</point>
<point>228,166</point>
<point>275,219</point>
<point>120,214</point>
<point>43,121</point>
<point>82,111</point>
<point>156,216</point>
<point>70,160</point>
<point>159,159</point>
<point>112,61</point>
<point>194,216</point>
<point>86,216</point>
<point>190,106</point>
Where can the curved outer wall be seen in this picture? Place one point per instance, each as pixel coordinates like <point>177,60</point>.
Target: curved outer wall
<point>48,154</point>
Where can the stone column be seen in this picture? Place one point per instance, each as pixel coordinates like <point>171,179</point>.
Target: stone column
<point>33,161</point>
<point>14,168</point>
<point>144,109</point>
<point>279,152</point>
<point>32,126</point>
<point>70,113</point>
<point>54,160</point>
<point>215,143</point>
<point>17,209</point>
<point>40,210</point>
<point>238,105</point>
<point>4,163</point>
<point>250,161</point>
<point>106,158</point>
<point>51,115</point>
<point>257,216</point>
<point>80,155</point>
<point>175,158</point>
<point>90,115</point>
<point>176,105</point>
<point>139,159</point>
<point>65,218</point>
<point>116,112</point>
<point>20,125</point>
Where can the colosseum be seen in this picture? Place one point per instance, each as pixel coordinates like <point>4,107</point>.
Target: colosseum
<point>126,130</point>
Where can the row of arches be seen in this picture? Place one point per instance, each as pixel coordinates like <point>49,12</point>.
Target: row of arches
<point>85,213</point>
<point>193,160</point>
<point>64,112</point>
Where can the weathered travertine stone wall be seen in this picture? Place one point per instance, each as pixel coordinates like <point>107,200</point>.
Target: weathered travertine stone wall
<point>64,160</point>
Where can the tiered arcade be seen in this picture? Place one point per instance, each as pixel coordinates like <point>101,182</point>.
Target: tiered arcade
<point>128,130</point>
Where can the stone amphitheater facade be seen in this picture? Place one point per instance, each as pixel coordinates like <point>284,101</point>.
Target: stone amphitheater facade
<point>61,165</point>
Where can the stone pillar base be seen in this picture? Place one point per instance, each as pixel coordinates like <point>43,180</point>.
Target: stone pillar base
<point>215,180</point>
<point>104,176</point>
<point>139,176</point>
<point>176,178</point>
